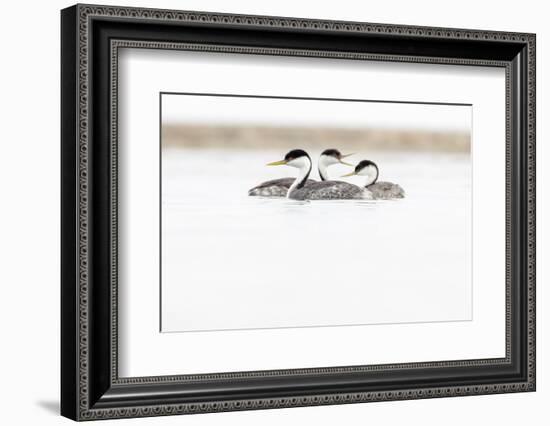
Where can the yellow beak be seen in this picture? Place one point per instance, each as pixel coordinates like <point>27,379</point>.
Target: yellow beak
<point>344,156</point>
<point>277,163</point>
<point>349,174</point>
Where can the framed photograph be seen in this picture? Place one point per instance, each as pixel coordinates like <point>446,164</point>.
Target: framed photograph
<point>263,212</point>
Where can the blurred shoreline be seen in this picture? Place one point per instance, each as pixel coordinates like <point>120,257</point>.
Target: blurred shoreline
<point>286,138</point>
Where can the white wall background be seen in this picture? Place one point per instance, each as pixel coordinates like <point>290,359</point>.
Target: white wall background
<point>29,224</point>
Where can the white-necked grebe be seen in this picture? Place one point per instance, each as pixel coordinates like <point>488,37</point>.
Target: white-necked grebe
<point>279,187</point>
<point>379,190</point>
<point>324,190</point>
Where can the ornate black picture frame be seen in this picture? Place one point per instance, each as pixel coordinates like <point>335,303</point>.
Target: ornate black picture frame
<point>91,36</point>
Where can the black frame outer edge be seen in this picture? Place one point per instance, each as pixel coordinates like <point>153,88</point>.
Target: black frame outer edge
<point>69,271</point>
<point>105,395</point>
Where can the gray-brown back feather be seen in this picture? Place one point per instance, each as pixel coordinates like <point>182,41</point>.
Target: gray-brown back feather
<point>386,190</point>
<point>275,187</point>
<point>328,190</point>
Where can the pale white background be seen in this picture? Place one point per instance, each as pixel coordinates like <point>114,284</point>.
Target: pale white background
<point>141,343</point>
<point>194,307</point>
<point>29,225</point>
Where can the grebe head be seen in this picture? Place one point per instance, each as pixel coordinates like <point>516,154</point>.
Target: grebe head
<point>296,158</point>
<point>333,156</point>
<point>328,158</point>
<point>366,168</point>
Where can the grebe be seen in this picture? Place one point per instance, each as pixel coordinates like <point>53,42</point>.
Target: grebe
<point>324,190</point>
<point>279,187</point>
<point>379,190</point>
<point>328,158</point>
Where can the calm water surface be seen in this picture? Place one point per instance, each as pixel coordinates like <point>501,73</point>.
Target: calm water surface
<point>260,263</point>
